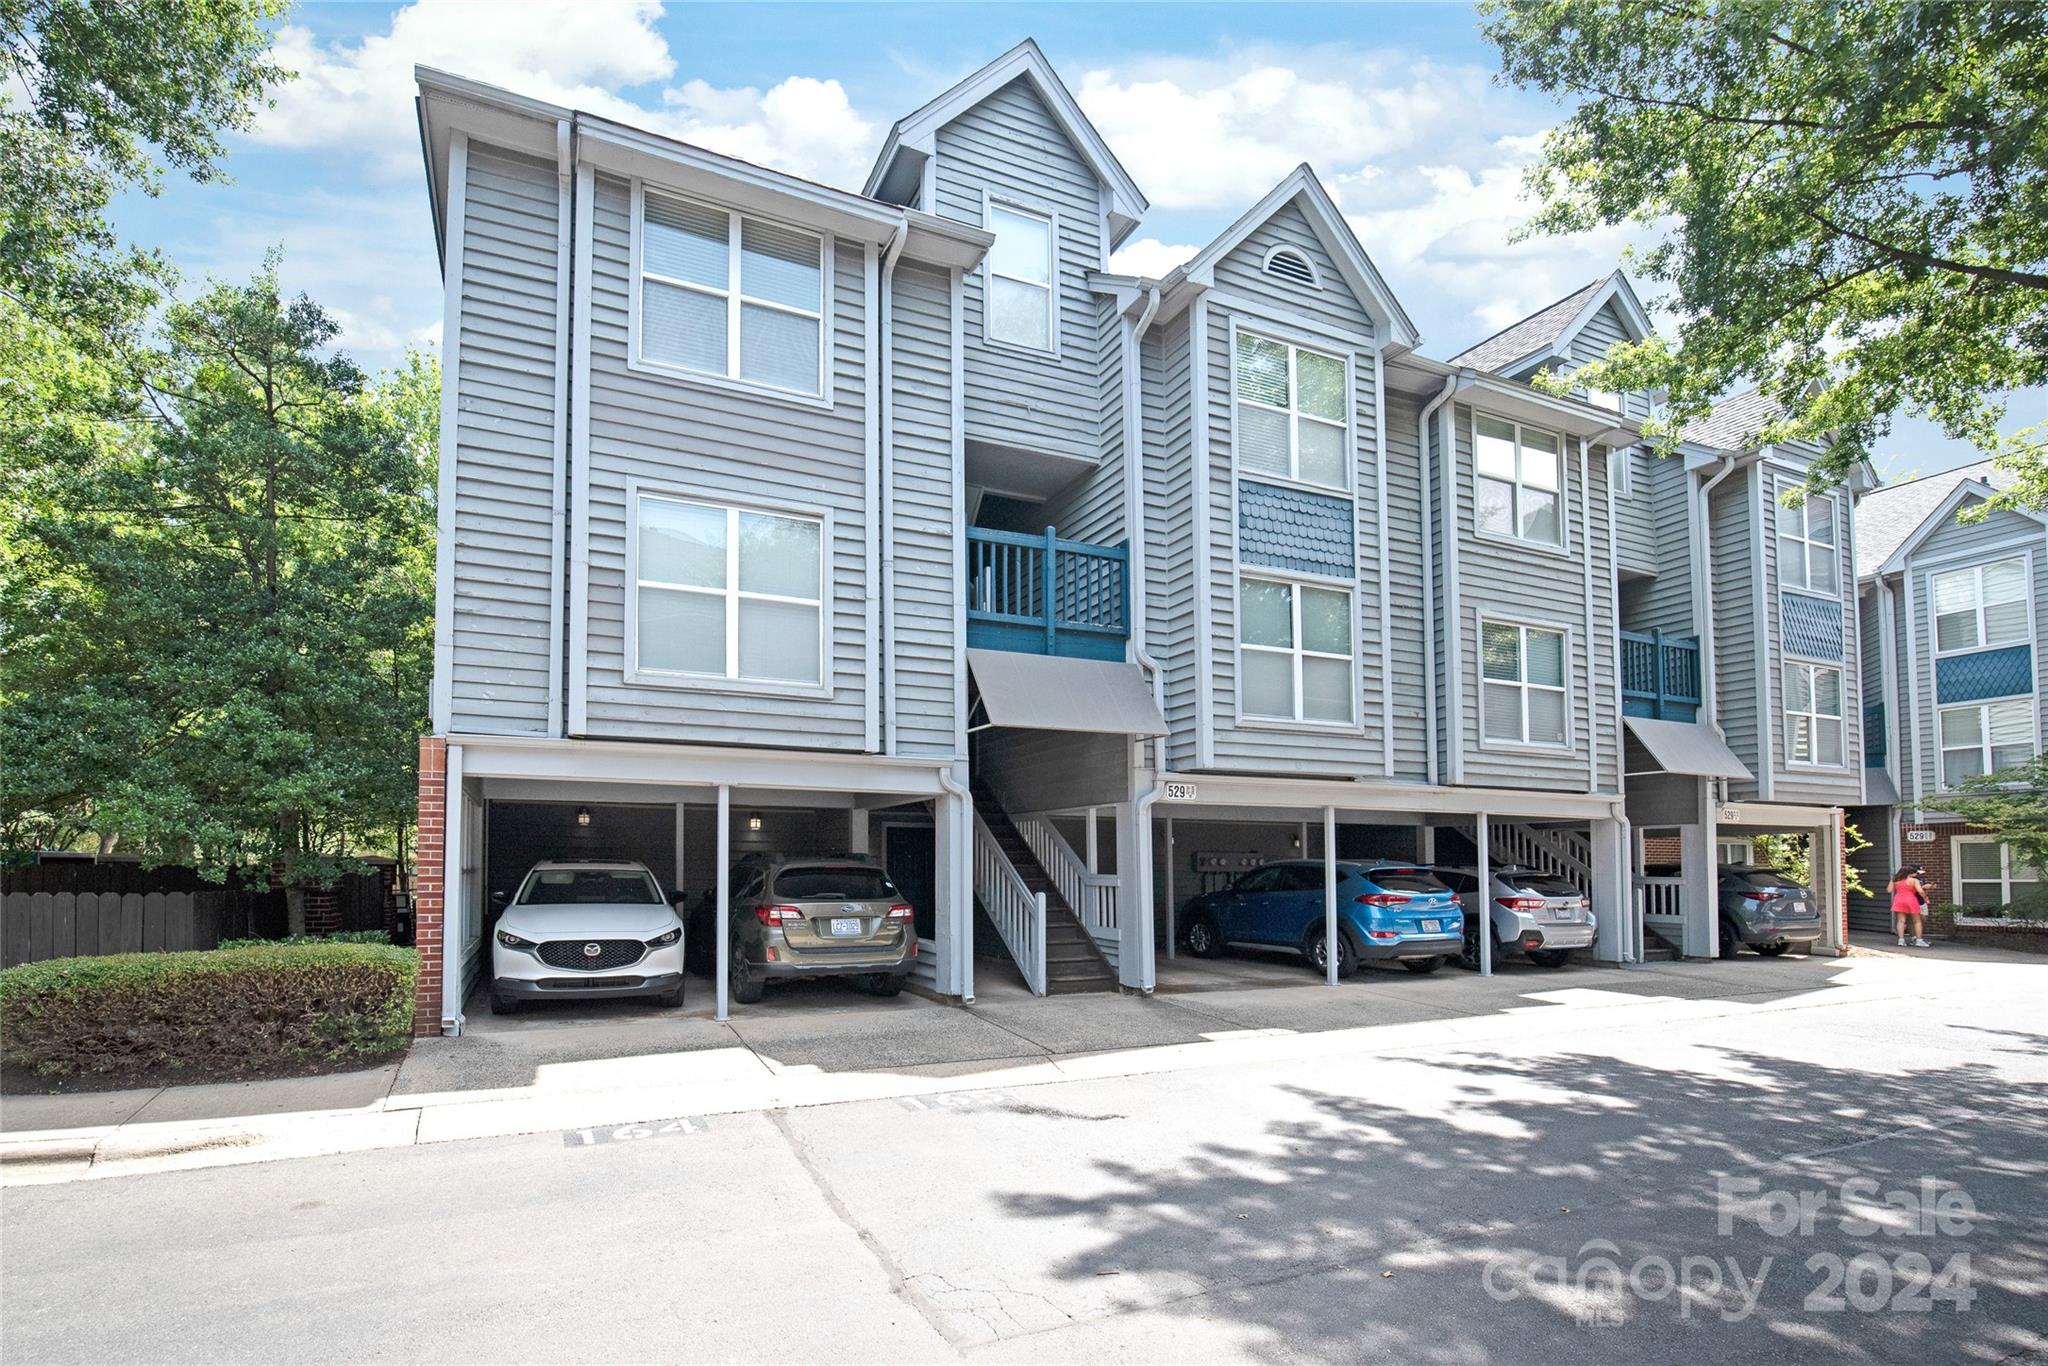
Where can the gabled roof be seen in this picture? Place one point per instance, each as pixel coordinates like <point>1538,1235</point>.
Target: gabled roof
<point>1548,332</point>
<point>1364,278</point>
<point>1734,422</point>
<point>912,139</point>
<point>1892,521</point>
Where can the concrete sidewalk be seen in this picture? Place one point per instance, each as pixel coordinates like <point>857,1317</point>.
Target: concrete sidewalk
<point>573,1072</point>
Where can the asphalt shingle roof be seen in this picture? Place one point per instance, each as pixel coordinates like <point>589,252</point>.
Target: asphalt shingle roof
<point>1531,334</point>
<point>1886,517</point>
<point>1734,422</point>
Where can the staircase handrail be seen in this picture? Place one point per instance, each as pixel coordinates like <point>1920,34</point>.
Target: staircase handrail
<point>1017,912</point>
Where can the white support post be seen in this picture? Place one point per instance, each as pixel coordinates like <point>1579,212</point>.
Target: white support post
<point>1425,844</point>
<point>1094,847</point>
<point>454,892</point>
<point>1613,892</point>
<point>677,890</point>
<point>1331,943</point>
<point>857,831</point>
<point>1700,865</point>
<point>721,910</point>
<point>1172,908</point>
<point>1482,840</point>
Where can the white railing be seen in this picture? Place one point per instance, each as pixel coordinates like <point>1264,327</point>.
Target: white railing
<point>1552,851</point>
<point>1017,912</point>
<point>1091,895</point>
<point>1662,897</point>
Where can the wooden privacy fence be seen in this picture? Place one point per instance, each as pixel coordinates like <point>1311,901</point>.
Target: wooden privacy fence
<point>74,908</point>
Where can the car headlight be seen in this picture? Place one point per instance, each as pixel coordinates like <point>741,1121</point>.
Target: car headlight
<point>664,940</point>
<point>513,941</point>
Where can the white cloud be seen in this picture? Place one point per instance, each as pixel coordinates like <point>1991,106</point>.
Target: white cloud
<point>357,97</point>
<point>1150,256</point>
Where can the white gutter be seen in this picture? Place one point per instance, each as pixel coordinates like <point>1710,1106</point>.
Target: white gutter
<point>1452,383</point>
<point>882,591</point>
<point>1592,638</point>
<point>1134,501</point>
<point>1703,591</point>
<point>558,505</point>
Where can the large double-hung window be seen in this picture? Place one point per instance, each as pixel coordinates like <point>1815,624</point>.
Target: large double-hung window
<point>1988,873</point>
<point>730,296</point>
<point>1522,692</point>
<point>1985,737</point>
<point>1294,651</point>
<point>728,593</point>
<point>1980,606</point>
<point>1519,481</point>
<point>1021,298</point>
<point>1813,715</point>
<point>1290,413</point>
<point>1806,546</point>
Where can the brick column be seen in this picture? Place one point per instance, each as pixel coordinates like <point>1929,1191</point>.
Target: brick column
<point>428,883</point>
<point>323,912</point>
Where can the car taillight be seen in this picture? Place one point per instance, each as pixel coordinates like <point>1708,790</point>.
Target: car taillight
<point>1519,903</point>
<point>1382,899</point>
<point>1756,896</point>
<point>898,912</point>
<point>778,915</point>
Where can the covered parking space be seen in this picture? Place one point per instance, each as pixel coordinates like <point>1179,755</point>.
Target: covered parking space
<point>1208,829</point>
<point>1737,826</point>
<point>688,814</point>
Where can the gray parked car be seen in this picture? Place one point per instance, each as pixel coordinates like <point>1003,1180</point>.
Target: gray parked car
<point>1532,913</point>
<point>811,917</point>
<point>1765,909</point>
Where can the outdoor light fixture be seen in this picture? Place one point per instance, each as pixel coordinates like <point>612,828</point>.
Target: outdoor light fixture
<point>583,816</point>
<point>754,821</point>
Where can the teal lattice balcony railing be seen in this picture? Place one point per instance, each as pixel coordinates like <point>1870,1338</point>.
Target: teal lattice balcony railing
<point>1044,596</point>
<point>1660,677</point>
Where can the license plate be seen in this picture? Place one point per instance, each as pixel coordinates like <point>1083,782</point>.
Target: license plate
<point>1431,926</point>
<point>846,926</point>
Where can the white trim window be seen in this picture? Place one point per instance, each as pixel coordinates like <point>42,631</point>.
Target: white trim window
<point>1980,606</point>
<point>728,593</point>
<point>1988,873</point>
<point>1518,481</point>
<point>1019,309</point>
<point>730,296</point>
<point>1522,692</point>
<point>1807,543</point>
<point>1290,420</point>
<point>1295,656</point>
<point>1813,715</point>
<point>1984,737</point>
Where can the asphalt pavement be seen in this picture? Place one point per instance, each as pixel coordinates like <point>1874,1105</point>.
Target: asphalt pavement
<point>1809,1175</point>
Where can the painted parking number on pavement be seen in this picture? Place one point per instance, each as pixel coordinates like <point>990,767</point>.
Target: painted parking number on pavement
<point>627,1133</point>
<point>954,1100</point>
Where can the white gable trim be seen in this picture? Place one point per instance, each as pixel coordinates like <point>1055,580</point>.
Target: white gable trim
<point>917,133</point>
<point>1364,278</point>
<point>1942,516</point>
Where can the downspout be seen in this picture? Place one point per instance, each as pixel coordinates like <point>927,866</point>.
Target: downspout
<point>1592,640</point>
<point>882,595</point>
<point>566,138</point>
<point>1703,592</point>
<point>1451,385</point>
<point>1134,497</point>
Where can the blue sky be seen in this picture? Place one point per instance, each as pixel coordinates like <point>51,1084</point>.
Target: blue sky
<point>1207,105</point>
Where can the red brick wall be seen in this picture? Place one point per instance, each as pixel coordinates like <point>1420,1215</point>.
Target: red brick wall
<point>1937,858</point>
<point>427,883</point>
<point>1662,849</point>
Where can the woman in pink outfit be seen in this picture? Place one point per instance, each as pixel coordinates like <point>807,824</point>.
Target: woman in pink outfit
<point>1909,899</point>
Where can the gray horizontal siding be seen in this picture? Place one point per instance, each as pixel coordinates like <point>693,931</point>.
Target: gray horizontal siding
<point>726,447</point>
<point>1664,602</point>
<point>1091,508</point>
<point>1409,657</point>
<point>1169,541</point>
<point>1518,583</point>
<point>504,371</point>
<point>1829,786</point>
<point>1010,146</point>
<point>1268,746</point>
<point>926,515</point>
<point>1331,305</point>
<point>1634,514</point>
<point>1730,537</point>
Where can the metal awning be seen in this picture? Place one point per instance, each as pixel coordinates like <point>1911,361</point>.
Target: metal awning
<point>1687,747</point>
<point>1047,692</point>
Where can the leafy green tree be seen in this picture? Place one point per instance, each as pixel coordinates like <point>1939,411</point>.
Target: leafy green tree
<point>2012,804</point>
<point>219,630</point>
<point>1850,201</point>
<point>1792,855</point>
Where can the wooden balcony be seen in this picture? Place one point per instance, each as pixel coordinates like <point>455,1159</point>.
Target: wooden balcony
<point>1044,596</point>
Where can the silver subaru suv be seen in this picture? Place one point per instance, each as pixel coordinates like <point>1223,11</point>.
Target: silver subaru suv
<point>839,916</point>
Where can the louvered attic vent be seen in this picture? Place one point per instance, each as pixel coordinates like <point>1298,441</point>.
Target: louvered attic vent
<point>1290,264</point>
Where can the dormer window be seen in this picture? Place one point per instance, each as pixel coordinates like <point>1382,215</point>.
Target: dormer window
<point>1292,264</point>
<point>1806,546</point>
<point>1020,275</point>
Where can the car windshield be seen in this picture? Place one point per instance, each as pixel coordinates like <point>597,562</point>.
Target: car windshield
<point>1412,880</point>
<point>589,887</point>
<point>838,883</point>
<point>1544,886</point>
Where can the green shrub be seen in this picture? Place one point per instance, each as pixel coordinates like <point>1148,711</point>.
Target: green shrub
<point>2033,906</point>
<point>338,937</point>
<point>222,1012</point>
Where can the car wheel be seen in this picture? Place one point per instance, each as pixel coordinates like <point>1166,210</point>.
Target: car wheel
<point>1772,950</point>
<point>503,1005</point>
<point>885,984</point>
<point>1549,958</point>
<point>1313,950</point>
<point>744,984</point>
<point>1205,940</point>
<point>1730,940</point>
<point>1422,966</point>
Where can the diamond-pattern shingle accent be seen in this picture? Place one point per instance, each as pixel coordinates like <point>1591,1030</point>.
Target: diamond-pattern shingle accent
<point>1812,626</point>
<point>1984,673</point>
<point>1285,528</point>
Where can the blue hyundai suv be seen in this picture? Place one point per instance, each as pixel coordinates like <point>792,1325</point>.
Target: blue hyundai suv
<point>1385,911</point>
